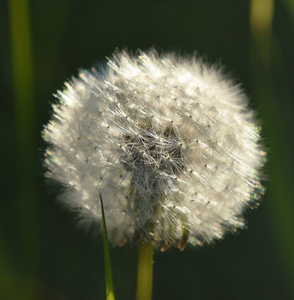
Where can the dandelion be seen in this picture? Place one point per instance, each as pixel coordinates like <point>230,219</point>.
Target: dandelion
<point>169,143</point>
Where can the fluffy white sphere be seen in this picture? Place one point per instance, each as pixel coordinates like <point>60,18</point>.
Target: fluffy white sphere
<point>169,143</point>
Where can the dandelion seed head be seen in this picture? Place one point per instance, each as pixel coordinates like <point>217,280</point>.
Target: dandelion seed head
<point>169,143</point>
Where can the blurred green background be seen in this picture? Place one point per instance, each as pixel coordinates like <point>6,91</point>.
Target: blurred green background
<point>43,43</point>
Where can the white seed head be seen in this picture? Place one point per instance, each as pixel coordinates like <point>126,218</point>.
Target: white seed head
<point>169,144</point>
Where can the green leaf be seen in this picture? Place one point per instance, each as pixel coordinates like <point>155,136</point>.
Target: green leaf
<point>108,273</point>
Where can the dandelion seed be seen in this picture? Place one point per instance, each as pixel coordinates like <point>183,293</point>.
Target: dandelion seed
<point>169,143</point>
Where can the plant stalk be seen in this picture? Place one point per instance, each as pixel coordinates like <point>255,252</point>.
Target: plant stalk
<point>145,272</point>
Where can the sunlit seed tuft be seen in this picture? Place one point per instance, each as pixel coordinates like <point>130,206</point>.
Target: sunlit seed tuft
<point>169,143</point>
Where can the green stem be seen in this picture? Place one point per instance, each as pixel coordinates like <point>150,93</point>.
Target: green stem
<point>145,272</point>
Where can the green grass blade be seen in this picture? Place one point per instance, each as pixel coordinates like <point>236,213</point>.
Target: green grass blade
<point>280,189</point>
<point>26,155</point>
<point>108,273</point>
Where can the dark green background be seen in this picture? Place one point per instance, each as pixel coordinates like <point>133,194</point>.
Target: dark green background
<point>42,253</point>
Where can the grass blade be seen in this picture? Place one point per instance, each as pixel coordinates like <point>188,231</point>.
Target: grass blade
<point>107,263</point>
<point>25,177</point>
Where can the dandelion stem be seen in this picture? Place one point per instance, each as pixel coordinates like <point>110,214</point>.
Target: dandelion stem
<point>145,272</point>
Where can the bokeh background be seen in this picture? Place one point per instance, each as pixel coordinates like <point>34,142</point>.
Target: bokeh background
<point>43,255</point>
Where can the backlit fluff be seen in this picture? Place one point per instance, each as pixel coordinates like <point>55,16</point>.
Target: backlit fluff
<point>169,144</point>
